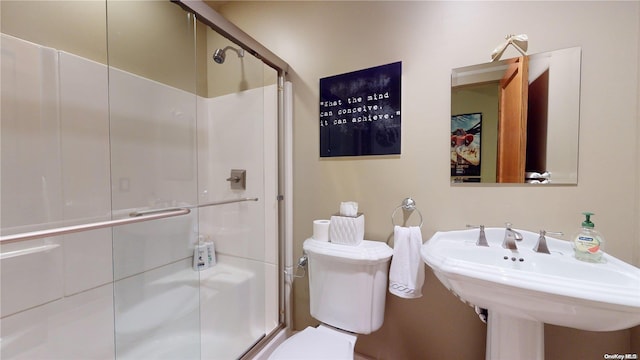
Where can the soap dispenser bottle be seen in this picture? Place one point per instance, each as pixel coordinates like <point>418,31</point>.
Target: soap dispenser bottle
<point>588,243</point>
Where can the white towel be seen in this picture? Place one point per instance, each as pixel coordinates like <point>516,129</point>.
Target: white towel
<point>406,274</point>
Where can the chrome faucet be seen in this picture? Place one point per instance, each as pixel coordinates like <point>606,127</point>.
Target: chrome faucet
<point>541,246</point>
<point>510,237</point>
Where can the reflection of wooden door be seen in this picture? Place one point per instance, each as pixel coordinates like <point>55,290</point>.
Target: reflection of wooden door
<point>512,122</point>
<point>537,114</point>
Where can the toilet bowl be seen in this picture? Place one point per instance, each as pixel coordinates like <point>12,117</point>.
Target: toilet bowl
<point>347,290</point>
<point>320,342</point>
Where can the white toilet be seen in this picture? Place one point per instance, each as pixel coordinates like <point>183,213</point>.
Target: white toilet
<point>347,289</point>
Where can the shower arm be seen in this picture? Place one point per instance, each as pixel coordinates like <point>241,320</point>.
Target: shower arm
<point>240,51</point>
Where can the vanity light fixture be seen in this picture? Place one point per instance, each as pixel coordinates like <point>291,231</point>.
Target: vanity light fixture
<point>520,42</point>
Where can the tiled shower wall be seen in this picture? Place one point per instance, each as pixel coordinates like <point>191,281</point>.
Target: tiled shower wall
<point>55,172</point>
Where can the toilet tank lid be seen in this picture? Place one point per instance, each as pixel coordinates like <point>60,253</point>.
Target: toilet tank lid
<point>365,252</point>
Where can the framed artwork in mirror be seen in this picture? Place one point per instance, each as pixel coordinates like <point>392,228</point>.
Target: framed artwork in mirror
<point>466,146</point>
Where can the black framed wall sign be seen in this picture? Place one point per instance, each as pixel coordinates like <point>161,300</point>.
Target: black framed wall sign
<point>360,112</point>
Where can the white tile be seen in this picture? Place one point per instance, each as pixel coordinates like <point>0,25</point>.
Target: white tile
<point>156,309</point>
<point>87,260</point>
<point>232,117</point>
<point>84,123</point>
<point>232,307</point>
<point>153,142</point>
<point>31,276</point>
<point>30,134</point>
<point>144,246</point>
<point>76,327</point>
<point>238,229</point>
<point>204,168</point>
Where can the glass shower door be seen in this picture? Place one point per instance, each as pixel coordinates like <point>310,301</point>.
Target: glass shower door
<point>152,107</point>
<point>237,131</point>
<point>190,132</point>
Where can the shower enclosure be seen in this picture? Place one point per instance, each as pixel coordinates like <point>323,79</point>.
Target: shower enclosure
<point>125,151</point>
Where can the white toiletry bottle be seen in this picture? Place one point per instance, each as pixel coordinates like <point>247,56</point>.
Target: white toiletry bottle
<point>211,253</point>
<point>588,243</point>
<point>200,260</point>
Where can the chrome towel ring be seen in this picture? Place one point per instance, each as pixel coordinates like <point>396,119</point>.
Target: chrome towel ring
<point>408,205</point>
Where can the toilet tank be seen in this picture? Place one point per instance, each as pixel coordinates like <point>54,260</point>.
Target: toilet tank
<point>348,284</point>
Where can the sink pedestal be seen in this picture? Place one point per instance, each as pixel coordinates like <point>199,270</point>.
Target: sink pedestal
<point>509,337</point>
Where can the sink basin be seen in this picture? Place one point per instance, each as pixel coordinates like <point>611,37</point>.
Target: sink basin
<point>522,289</point>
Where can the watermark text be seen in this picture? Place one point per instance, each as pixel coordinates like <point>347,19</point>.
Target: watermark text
<point>620,356</point>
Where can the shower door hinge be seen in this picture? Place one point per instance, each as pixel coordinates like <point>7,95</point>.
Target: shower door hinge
<point>280,197</point>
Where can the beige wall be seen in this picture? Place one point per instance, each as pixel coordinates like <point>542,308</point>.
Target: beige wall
<point>132,33</point>
<point>319,39</point>
<point>144,38</point>
<point>78,27</point>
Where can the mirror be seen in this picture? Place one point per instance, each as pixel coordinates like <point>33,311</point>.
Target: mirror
<point>516,120</point>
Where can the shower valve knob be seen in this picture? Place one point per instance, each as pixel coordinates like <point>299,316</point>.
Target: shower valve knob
<point>238,179</point>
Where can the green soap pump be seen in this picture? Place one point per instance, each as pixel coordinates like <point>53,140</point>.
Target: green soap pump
<point>588,243</point>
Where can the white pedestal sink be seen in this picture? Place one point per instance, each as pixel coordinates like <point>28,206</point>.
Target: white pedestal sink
<point>523,289</point>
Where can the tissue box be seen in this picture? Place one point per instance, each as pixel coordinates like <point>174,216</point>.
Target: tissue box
<point>346,230</point>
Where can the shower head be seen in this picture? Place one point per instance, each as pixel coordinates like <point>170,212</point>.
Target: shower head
<point>219,55</point>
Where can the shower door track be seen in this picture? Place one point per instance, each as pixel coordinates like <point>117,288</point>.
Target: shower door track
<point>134,217</point>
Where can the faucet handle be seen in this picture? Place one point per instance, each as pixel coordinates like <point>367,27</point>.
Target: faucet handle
<point>541,246</point>
<point>482,239</point>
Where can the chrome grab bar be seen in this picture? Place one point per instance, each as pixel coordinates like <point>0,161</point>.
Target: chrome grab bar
<point>156,211</point>
<point>91,226</point>
<point>134,217</point>
<point>139,213</point>
<point>226,202</point>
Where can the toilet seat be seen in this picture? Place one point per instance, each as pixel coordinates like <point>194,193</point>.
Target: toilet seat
<point>319,343</point>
